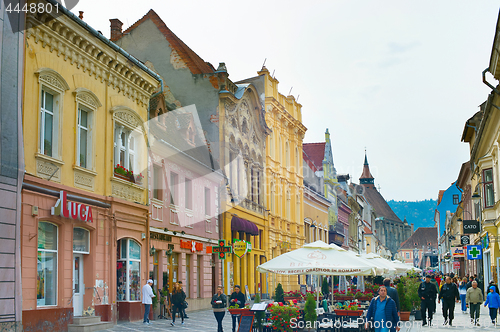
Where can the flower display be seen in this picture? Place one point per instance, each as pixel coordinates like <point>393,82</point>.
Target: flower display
<point>281,316</point>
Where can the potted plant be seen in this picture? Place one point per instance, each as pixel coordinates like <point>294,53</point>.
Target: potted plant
<point>310,315</point>
<point>292,295</point>
<point>404,303</point>
<point>123,173</point>
<point>139,178</point>
<point>281,316</point>
<point>278,294</point>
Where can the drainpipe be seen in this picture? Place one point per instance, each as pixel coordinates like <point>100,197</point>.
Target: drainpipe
<point>109,43</point>
<point>488,84</point>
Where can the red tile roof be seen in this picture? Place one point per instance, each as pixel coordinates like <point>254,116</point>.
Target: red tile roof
<point>423,236</point>
<point>315,153</point>
<point>195,64</point>
<point>378,202</point>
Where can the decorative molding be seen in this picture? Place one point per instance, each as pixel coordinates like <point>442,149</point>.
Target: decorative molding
<point>52,78</point>
<point>84,179</point>
<point>47,167</point>
<point>87,97</point>
<point>130,192</point>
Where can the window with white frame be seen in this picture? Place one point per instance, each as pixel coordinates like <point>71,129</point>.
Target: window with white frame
<point>127,145</point>
<point>207,202</point>
<point>84,146</point>
<point>49,122</point>
<point>174,180</point>
<point>128,271</point>
<point>489,193</point>
<point>81,238</point>
<point>157,183</point>
<point>46,279</point>
<point>407,255</point>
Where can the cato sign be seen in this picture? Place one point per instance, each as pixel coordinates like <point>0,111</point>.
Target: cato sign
<point>72,210</point>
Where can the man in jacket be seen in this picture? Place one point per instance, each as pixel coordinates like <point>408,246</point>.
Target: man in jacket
<point>392,293</point>
<point>237,299</point>
<point>182,308</point>
<point>218,303</point>
<point>147,300</point>
<point>382,313</point>
<point>449,294</point>
<point>427,293</point>
<point>474,298</point>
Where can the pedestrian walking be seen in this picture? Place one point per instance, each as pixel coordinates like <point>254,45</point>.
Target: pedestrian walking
<point>382,314</point>
<point>449,294</point>
<point>462,290</point>
<point>493,300</point>
<point>427,292</point>
<point>219,301</point>
<point>178,298</point>
<point>237,299</point>
<point>492,283</point>
<point>183,307</point>
<point>474,298</point>
<point>147,300</point>
<point>392,293</point>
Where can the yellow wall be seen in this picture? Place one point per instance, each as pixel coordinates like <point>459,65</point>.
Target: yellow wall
<point>79,74</point>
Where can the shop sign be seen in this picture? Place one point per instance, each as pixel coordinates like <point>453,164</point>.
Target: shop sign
<point>285,245</point>
<point>465,240</point>
<point>192,245</point>
<point>72,210</point>
<point>240,248</point>
<point>458,251</point>
<point>222,249</point>
<point>160,236</point>
<point>471,226</point>
<point>456,265</point>
<point>474,252</point>
<point>486,241</point>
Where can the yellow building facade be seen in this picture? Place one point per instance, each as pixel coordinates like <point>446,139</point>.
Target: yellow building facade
<point>284,175</point>
<point>85,111</point>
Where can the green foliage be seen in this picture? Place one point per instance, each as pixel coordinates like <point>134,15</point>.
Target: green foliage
<point>408,293</point>
<point>310,309</point>
<point>420,213</point>
<point>403,302</point>
<point>279,294</point>
<point>324,286</point>
<point>154,299</point>
<point>259,315</point>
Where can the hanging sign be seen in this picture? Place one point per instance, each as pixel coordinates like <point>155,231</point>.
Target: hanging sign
<point>456,265</point>
<point>72,210</point>
<point>474,252</point>
<point>464,240</point>
<point>222,249</point>
<point>471,226</point>
<point>458,251</point>
<point>240,248</point>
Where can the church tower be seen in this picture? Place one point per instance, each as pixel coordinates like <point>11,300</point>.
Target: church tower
<point>366,179</point>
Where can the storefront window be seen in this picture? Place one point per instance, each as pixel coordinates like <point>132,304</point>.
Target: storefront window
<point>128,271</point>
<point>80,240</point>
<point>46,283</point>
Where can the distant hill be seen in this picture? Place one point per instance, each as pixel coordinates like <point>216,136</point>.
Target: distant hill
<point>420,213</point>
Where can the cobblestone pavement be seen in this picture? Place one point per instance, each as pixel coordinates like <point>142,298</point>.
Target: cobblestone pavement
<point>203,320</point>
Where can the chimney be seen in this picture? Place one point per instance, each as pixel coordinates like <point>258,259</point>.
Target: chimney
<point>81,15</point>
<point>412,228</point>
<point>116,29</point>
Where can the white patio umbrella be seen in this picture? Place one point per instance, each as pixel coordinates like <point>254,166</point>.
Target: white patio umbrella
<point>318,258</point>
<point>387,267</point>
<point>401,267</point>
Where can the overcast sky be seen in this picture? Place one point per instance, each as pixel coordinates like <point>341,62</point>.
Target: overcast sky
<point>397,77</point>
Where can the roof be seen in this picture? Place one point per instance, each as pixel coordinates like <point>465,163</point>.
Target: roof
<point>377,201</point>
<point>421,237</point>
<point>195,64</point>
<point>367,230</point>
<point>366,170</point>
<point>315,153</point>
<point>440,196</point>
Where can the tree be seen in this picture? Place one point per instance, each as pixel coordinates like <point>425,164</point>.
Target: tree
<point>324,287</point>
<point>279,294</point>
<point>310,310</point>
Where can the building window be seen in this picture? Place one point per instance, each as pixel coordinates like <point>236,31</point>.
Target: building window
<point>174,178</point>
<point>126,148</point>
<point>49,122</point>
<point>128,271</point>
<point>46,282</point>
<point>207,201</point>
<point>407,255</point>
<point>489,194</point>
<point>199,276</point>
<point>157,183</point>
<point>455,199</point>
<point>297,208</point>
<point>272,198</point>
<point>288,198</point>
<point>188,190</point>
<point>84,153</point>
<point>287,155</point>
<point>81,240</point>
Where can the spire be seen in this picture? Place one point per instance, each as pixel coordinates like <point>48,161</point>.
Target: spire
<point>366,178</point>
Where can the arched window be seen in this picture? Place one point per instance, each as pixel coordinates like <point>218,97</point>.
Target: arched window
<point>272,197</point>
<point>46,279</point>
<point>128,271</point>
<point>288,199</point>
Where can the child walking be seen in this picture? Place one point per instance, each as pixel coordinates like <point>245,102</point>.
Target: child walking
<point>493,299</point>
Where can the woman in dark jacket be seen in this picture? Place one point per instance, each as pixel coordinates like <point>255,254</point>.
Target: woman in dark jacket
<point>382,313</point>
<point>219,301</point>
<point>178,298</point>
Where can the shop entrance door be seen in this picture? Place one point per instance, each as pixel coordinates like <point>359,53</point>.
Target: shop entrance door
<point>78,286</point>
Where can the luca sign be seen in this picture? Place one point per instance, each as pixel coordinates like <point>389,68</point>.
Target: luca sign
<point>471,226</point>
<point>72,210</point>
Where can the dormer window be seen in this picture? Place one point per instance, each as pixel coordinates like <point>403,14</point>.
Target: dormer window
<point>191,135</point>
